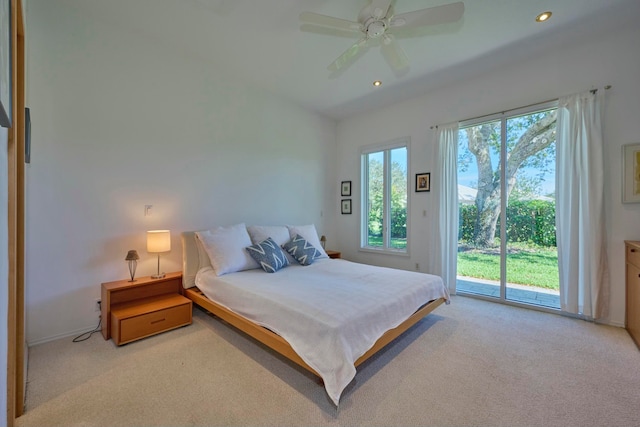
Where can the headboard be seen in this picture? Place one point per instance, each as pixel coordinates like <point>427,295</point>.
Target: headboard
<point>193,258</point>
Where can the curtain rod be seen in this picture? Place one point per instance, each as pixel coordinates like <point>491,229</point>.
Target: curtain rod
<point>607,87</point>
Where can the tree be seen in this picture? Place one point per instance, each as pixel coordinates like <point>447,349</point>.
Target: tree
<point>375,198</point>
<point>529,143</point>
<point>398,199</point>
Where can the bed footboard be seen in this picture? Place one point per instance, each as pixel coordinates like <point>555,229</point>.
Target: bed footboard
<point>280,345</point>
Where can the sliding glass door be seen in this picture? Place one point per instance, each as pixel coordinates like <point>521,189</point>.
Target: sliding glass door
<point>506,176</point>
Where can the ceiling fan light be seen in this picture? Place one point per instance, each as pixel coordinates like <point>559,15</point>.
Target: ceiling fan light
<point>375,29</point>
<point>543,16</point>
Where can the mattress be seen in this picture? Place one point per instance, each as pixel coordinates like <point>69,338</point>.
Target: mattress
<point>330,312</point>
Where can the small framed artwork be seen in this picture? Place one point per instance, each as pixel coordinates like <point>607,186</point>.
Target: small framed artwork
<point>345,206</point>
<point>27,135</point>
<point>345,188</point>
<point>631,173</point>
<point>423,182</point>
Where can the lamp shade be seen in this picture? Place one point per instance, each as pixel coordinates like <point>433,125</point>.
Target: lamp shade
<point>132,255</point>
<point>158,241</point>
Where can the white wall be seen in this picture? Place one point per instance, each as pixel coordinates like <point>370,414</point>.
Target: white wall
<point>4,272</point>
<point>120,121</point>
<point>602,59</point>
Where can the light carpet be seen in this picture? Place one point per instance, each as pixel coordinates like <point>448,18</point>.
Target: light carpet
<point>471,363</point>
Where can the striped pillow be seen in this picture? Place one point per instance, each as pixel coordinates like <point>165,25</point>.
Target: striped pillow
<point>269,255</point>
<point>303,251</point>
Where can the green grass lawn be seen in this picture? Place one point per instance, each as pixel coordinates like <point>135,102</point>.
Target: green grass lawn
<point>538,267</point>
<point>533,266</point>
<point>396,243</point>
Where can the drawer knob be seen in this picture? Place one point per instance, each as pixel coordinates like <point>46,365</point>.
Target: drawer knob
<point>633,250</point>
<point>157,321</point>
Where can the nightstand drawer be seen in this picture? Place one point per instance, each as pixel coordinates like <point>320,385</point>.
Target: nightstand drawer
<point>136,320</point>
<point>633,254</point>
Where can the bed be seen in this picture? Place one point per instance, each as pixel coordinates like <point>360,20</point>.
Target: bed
<point>307,312</point>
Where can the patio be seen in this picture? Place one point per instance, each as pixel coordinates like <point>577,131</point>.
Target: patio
<point>517,293</point>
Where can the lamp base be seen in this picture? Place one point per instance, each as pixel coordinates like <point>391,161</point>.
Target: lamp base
<point>158,276</point>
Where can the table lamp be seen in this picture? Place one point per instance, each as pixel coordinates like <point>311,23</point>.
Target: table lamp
<point>132,259</point>
<point>158,241</point>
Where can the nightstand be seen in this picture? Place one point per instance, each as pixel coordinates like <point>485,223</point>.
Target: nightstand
<point>145,307</point>
<point>333,254</point>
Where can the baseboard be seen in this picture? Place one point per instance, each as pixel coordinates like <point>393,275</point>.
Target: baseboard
<point>62,335</point>
<point>613,323</point>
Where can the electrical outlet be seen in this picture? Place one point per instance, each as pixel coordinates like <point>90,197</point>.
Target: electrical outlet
<point>98,305</point>
<point>417,267</point>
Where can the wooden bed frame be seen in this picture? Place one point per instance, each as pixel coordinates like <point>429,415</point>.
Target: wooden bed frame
<point>266,336</point>
<point>280,345</point>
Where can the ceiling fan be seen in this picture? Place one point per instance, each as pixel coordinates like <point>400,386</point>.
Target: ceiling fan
<point>376,21</point>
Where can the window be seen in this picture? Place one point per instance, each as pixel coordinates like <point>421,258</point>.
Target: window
<point>384,197</point>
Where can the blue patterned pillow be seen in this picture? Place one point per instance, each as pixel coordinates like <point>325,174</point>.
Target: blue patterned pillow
<point>303,251</point>
<point>269,255</point>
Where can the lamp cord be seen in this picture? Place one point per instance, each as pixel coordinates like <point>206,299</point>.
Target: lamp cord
<point>88,334</point>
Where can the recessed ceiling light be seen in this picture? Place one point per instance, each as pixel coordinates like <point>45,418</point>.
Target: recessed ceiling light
<point>543,16</point>
<point>377,83</point>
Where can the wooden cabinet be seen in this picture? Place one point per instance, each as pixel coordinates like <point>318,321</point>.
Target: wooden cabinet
<point>632,321</point>
<point>145,307</point>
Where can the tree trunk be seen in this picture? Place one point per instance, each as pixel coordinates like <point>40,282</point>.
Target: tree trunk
<point>539,136</point>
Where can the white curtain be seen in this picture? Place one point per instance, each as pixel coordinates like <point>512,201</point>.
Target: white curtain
<point>581,235</point>
<point>446,177</point>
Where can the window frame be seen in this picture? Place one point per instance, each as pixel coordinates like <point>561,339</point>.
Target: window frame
<point>385,148</point>
<point>503,117</point>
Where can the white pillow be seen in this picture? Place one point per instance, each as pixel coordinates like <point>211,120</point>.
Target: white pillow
<point>259,233</point>
<point>226,248</point>
<point>279,234</point>
<point>309,233</point>
<point>203,256</point>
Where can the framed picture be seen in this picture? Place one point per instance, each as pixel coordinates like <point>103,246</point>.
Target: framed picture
<point>5,63</point>
<point>27,135</point>
<point>345,188</point>
<point>423,182</point>
<point>631,173</point>
<point>345,206</point>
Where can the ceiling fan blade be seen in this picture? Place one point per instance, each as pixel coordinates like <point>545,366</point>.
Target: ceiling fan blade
<point>347,56</point>
<point>431,16</point>
<point>393,53</point>
<point>379,8</point>
<point>330,22</point>
<point>317,29</point>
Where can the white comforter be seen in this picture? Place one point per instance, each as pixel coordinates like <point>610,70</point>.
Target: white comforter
<point>330,312</point>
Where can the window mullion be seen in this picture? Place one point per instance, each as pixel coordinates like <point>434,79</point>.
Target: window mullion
<point>503,207</point>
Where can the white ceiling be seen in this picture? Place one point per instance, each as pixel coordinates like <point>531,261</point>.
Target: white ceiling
<point>262,42</point>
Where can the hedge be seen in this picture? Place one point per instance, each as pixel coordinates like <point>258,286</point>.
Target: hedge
<point>530,221</point>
